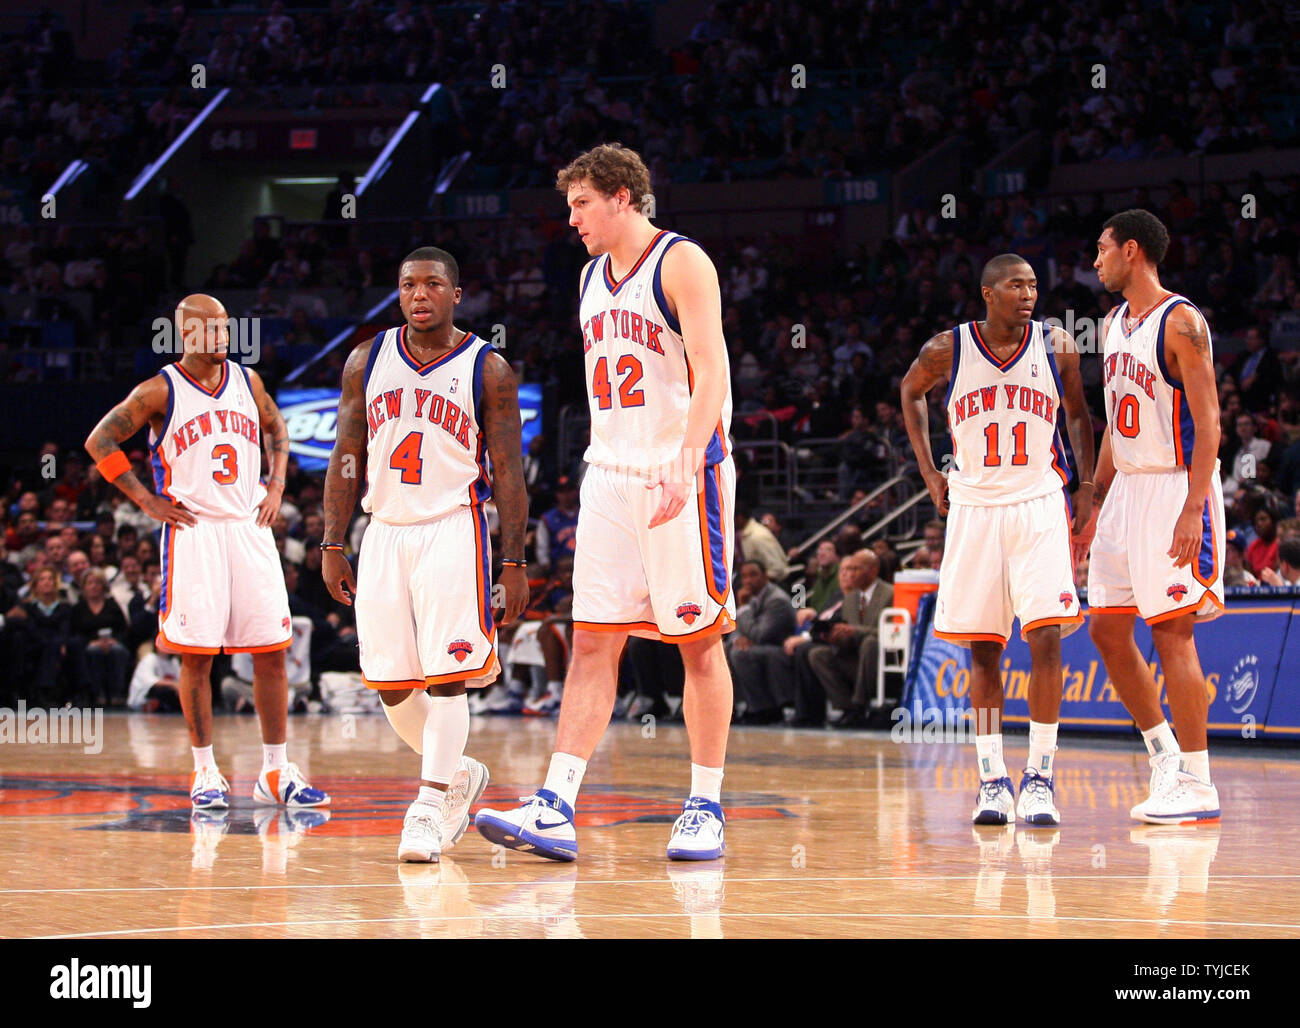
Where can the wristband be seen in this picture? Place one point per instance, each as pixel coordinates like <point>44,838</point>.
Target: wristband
<point>114,466</point>
<point>332,546</point>
<point>513,563</point>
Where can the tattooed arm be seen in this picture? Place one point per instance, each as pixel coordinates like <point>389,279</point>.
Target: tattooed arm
<point>932,366</point>
<point>146,405</point>
<point>499,418</point>
<point>342,479</point>
<point>1187,352</point>
<point>275,437</point>
<point>1078,423</point>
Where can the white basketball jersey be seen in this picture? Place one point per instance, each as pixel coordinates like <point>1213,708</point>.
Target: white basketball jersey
<point>639,381</point>
<point>1004,418</point>
<point>208,456</point>
<point>1150,422</point>
<point>425,453</point>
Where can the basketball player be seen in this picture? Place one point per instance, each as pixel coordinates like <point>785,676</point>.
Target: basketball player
<point>654,543</point>
<point>1007,551</point>
<point>1158,551</point>
<point>422,408</point>
<point>222,587</point>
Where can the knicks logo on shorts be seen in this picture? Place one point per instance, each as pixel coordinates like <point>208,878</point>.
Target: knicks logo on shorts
<point>1177,591</point>
<point>460,649</point>
<point>284,623</point>
<point>1066,599</point>
<point>688,612</point>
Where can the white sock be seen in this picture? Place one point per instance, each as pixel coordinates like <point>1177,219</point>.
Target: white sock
<point>564,777</point>
<point>430,795</point>
<point>203,757</point>
<point>446,731</point>
<point>1160,740</point>
<point>408,718</point>
<point>706,782</point>
<point>1196,763</point>
<point>988,748</point>
<point>1042,748</point>
<point>273,755</point>
<point>555,687</point>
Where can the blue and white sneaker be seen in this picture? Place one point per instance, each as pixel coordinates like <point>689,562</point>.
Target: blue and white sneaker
<point>286,786</point>
<point>1036,805</point>
<point>543,825</point>
<point>505,702</point>
<point>1189,800</point>
<point>995,804</point>
<point>697,833</point>
<point>209,790</point>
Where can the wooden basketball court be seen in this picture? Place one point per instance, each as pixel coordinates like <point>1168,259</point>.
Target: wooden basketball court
<point>828,835</point>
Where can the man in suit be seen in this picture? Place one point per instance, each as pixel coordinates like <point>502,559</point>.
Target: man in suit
<point>764,619</point>
<point>843,653</point>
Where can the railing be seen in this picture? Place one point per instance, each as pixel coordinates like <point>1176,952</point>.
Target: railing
<point>850,512</point>
<point>773,464</point>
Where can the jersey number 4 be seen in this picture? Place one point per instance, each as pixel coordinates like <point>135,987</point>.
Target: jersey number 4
<point>628,395</point>
<point>406,459</point>
<point>992,456</point>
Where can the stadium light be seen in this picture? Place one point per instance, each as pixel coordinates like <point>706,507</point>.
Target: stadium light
<point>150,170</point>
<point>69,175</point>
<point>374,312</point>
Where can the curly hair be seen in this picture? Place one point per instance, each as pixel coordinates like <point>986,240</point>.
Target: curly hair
<point>1143,227</point>
<point>609,168</point>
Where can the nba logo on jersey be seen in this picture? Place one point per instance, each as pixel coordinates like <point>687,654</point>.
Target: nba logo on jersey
<point>460,649</point>
<point>454,383</point>
<point>1033,370</point>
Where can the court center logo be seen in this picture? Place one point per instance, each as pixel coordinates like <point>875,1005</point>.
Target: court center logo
<point>1243,684</point>
<point>460,649</point>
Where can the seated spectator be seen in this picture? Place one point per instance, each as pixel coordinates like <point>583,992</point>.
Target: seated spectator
<point>863,456</point>
<point>142,611</point>
<point>154,684</point>
<point>1288,573</point>
<point>842,656</point>
<point>52,660</point>
<point>764,618</point>
<point>1262,552</point>
<point>821,582</point>
<point>557,528</point>
<point>1234,568</point>
<point>757,543</point>
<point>100,627</point>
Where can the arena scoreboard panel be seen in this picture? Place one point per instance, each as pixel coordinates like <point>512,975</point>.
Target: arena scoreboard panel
<point>261,135</point>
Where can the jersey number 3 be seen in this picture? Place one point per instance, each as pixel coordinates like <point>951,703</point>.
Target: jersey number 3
<point>628,395</point>
<point>229,470</point>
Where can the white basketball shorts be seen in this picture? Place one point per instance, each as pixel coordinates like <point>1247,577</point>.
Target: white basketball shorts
<point>672,582</point>
<point>222,589</point>
<point>424,602</point>
<point>1131,572</point>
<point>1006,562</point>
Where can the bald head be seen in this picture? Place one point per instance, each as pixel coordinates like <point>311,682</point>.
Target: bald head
<point>858,570</point>
<point>202,323</point>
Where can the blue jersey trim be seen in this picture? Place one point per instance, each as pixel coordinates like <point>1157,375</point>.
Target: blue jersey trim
<point>1160,342</point>
<point>657,287</point>
<point>371,357</point>
<point>956,365</point>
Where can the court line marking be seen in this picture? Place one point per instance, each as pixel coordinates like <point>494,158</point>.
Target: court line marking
<point>804,915</point>
<point>1014,876</point>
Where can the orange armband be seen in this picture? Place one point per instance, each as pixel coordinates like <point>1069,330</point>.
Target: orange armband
<point>114,466</point>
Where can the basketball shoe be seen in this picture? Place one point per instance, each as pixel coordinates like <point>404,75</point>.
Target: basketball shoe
<point>546,705</point>
<point>543,825</point>
<point>286,786</point>
<point>421,834</point>
<point>995,804</point>
<point>697,833</point>
<point>1187,801</point>
<point>467,785</point>
<point>1036,805</point>
<point>209,790</point>
<point>1164,772</point>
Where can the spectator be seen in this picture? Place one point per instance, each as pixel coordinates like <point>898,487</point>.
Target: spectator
<point>1260,374</point>
<point>128,583</point>
<point>1250,454</point>
<point>820,582</point>
<point>765,617</point>
<point>1288,552</point>
<point>863,456</point>
<point>1234,568</point>
<point>843,655</point>
<point>557,529</point>
<point>52,658</point>
<point>757,543</point>
<point>100,628</point>
<point>154,684</point>
<point>1262,551</point>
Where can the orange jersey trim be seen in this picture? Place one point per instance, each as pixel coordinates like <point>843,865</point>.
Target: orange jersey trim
<point>167,646</point>
<point>1076,619</point>
<point>1214,554</point>
<point>1189,608</point>
<point>259,649</point>
<point>615,626</point>
<point>722,624</point>
<point>1113,610</point>
<point>1002,365</point>
<point>970,637</point>
<point>613,286</point>
<point>409,683</point>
